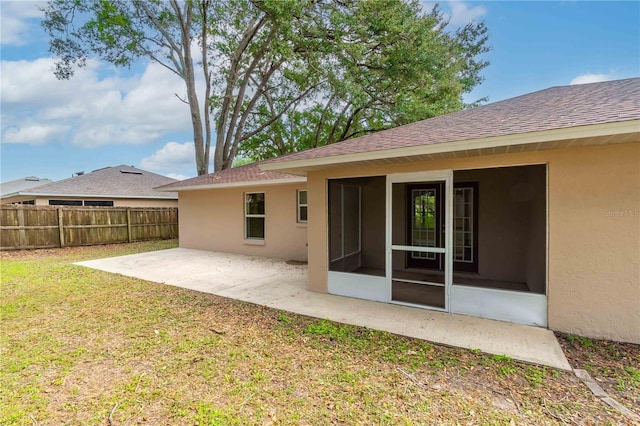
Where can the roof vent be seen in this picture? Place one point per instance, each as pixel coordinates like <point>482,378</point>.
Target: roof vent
<point>131,172</point>
<point>78,173</point>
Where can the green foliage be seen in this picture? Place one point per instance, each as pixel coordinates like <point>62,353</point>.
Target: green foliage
<point>373,71</point>
<point>282,75</point>
<point>207,414</point>
<point>283,318</point>
<point>535,375</point>
<point>506,365</point>
<point>629,378</point>
<point>327,328</point>
<point>584,341</point>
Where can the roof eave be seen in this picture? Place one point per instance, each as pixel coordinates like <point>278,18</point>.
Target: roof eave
<point>530,138</point>
<point>235,184</point>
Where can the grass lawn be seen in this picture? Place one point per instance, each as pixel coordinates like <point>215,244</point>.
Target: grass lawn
<point>81,346</point>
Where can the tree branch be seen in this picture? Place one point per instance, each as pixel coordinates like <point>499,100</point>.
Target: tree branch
<point>232,78</point>
<point>273,119</point>
<point>245,82</point>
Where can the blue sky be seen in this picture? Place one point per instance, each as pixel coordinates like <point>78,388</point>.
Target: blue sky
<point>106,116</point>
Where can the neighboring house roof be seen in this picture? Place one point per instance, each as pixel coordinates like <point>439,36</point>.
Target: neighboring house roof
<point>558,113</point>
<point>246,175</point>
<point>109,182</point>
<point>14,186</point>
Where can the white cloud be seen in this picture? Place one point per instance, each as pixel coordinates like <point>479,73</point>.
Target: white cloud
<point>97,110</point>
<point>17,19</point>
<point>34,134</point>
<point>458,13</point>
<point>178,176</point>
<point>462,14</point>
<point>591,78</point>
<point>172,156</point>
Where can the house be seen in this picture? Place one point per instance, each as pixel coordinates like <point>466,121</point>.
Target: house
<point>227,211</point>
<point>8,189</point>
<point>119,186</point>
<point>526,210</point>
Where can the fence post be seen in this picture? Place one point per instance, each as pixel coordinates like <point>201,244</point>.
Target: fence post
<point>129,224</point>
<point>60,226</point>
<point>22,233</point>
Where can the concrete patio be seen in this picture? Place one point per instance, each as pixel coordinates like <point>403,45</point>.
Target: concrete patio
<point>276,284</point>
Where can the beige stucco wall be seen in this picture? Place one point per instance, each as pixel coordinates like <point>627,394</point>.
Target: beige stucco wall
<point>593,232</point>
<point>214,220</point>
<point>139,202</point>
<point>117,202</point>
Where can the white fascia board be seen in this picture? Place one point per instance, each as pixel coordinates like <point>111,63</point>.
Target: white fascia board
<point>596,130</point>
<point>10,195</point>
<point>83,196</point>
<point>236,184</point>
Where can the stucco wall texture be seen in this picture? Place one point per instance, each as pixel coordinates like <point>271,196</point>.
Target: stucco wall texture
<point>593,231</point>
<point>213,219</point>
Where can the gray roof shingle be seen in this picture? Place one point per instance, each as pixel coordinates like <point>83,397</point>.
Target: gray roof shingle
<point>123,181</point>
<point>549,109</point>
<point>13,186</point>
<point>249,173</point>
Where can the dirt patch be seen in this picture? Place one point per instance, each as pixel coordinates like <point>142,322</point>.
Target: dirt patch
<point>614,365</point>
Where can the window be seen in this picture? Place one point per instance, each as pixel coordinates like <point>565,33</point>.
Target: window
<point>88,203</point>
<point>65,202</point>
<point>465,229</point>
<point>254,215</point>
<point>302,206</point>
<point>101,203</point>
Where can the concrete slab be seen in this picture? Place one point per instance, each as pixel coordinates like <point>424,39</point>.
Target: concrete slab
<point>274,283</point>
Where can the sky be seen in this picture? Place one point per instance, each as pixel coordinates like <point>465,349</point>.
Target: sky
<point>106,116</point>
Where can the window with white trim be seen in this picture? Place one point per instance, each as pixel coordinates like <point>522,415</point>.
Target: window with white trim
<point>303,207</point>
<point>254,215</point>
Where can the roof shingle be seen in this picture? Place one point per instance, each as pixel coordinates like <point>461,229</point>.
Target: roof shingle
<point>14,186</point>
<point>250,173</point>
<point>124,181</point>
<point>549,109</point>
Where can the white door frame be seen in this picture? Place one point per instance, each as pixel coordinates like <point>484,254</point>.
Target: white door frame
<point>445,176</point>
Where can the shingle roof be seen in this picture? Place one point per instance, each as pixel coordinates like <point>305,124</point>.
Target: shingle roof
<point>250,173</point>
<point>18,185</point>
<point>123,181</point>
<point>549,109</point>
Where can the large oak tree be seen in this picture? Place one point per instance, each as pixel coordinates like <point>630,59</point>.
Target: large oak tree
<point>280,75</point>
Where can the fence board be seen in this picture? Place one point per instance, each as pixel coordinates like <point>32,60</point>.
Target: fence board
<point>25,226</point>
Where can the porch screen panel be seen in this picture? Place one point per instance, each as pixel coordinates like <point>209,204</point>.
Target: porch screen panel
<point>335,222</point>
<point>344,227</point>
<point>351,218</point>
<point>417,257</point>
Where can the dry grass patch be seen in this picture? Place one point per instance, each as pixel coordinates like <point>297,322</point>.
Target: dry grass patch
<point>78,343</point>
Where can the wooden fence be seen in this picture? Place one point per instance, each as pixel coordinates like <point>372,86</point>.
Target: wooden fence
<point>28,227</point>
